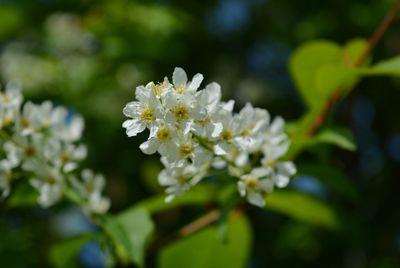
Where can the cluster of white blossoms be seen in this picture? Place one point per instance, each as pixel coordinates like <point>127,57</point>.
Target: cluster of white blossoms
<point>39,142</point>
<point>195,133</point>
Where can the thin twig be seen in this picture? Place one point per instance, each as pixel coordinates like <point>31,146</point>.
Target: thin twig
<point>200,223</point>
<point>373,41</point>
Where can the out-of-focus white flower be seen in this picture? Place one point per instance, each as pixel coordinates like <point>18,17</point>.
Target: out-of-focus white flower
<point>90,188</point>
<point>49,182</point>
<point>250,125</point>
<point>255,185</point>
<point>281,171</point>
<point>10,102</point>
<point>41,143</point>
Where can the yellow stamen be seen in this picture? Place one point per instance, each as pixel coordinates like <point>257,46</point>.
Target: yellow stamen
<point>163,134</point>
<point>181,112</point>
<point>159,88</point>
<point>147,115</point>
<point>251,182</point>
<point>185,149</point>
<point>181,89</point>
<point>227,135</point>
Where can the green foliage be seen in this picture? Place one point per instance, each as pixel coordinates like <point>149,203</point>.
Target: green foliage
<point>64,254</point>
<point>339,137</point>
<point>320,68</point>
<point>389,67</point>
<point>129,232</point>
<point>302,207</point>
<point>206,249</point>
<point>308,62</point>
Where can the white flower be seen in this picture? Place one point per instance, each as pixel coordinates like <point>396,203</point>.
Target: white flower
<point>69,129</point>
<point>181,83</point>
<point>194,131</point>
<point>67,156</point>
<point>190,150</point>
<point>181,111</point>
<point>143,112</point>
<point>90,188</point>
<point>281,171</point>
<point>179,179</point>
<point>255,185</point>
<point>11,97</point>
<point>10,102</point>
<point>207,102</point>
<point>229,128</point>
<point>162,139</point>
<point>49,182</point>
<point>275,133</point>
<point>250,125</point>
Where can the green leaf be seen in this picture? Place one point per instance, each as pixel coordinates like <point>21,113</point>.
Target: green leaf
<point>337,136</point>
<point>64,254</point>
<point>206,249</point>
<point>130,232</point>
<point>302,207</point>
<point>318,69</point>
<point>386,67</point>
<point>330,176</point>
<point>306,62</point>
<point>340,138</point>
<point>198,195</point>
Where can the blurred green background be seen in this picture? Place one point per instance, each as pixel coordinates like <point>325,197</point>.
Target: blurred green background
<point>90,55</point>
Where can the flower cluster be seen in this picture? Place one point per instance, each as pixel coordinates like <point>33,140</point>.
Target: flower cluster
<point>195,132</point>
<point>40,142</point>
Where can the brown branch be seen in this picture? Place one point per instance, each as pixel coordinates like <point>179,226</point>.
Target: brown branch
<point>200,223</point>
<point>373,41</point>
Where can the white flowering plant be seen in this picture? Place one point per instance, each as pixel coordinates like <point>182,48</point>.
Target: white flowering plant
<point>216,158</point>
<point>40,145</point>
<point>197,134</point>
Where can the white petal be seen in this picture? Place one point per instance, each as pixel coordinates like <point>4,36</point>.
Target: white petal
<point>267,185</point>
<point>169,150</point>
<point>196,81</point>
<point>133,127</point>
<point>276,151</point>
<point>228,106</point>
<point>132,109</point>
<point>281,180</point>
<point>277,125</point>
<point>150,146</point>
<point>287,168</point>
<point>261,172</point>
<point>241,188</point>
<point>179,77</point>
<point>256,199</point>
<point>142,93</point>
<point>214,130</point>
<point>221,148</point>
